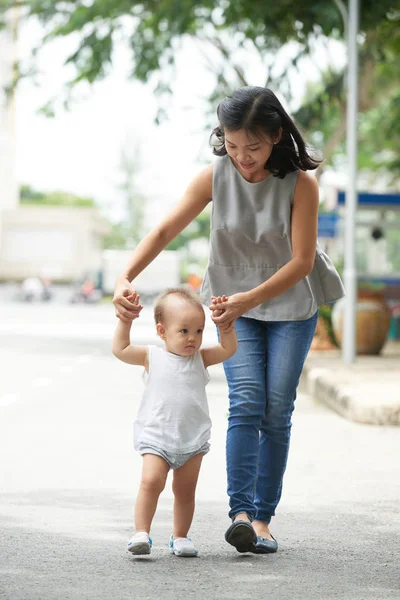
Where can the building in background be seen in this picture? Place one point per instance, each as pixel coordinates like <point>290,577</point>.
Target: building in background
<point>54,242</point>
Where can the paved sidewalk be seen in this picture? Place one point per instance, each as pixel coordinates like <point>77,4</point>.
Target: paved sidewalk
<point>367,391</point>
<point>69,476</point>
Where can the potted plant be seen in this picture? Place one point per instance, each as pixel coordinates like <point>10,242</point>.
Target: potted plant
<point>372,318</point>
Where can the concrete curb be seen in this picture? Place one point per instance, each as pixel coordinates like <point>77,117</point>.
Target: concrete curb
<point>376,400</point>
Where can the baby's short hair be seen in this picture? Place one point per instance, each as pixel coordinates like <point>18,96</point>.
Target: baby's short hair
<point>185,294</point>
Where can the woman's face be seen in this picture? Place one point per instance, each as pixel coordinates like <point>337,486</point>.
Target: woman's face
<point>248,152</point>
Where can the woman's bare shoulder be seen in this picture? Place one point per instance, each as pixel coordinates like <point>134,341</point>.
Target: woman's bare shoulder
<point>202,181</point>
<point>206,173</point>
<point>307,188</point>
<point>307,180</point>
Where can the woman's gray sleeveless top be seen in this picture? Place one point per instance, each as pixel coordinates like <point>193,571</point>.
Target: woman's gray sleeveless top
<point>250,240</point>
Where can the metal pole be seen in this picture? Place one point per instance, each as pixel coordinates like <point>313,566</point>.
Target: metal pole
<point>350,272</point>
<point>15,18</point>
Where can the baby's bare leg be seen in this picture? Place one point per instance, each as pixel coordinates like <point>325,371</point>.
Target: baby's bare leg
<point>154,475</point>
<point>184,488</point>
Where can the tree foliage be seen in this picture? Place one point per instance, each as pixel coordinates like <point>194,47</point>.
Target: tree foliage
<point>153,29</point>
<point>31,197</point>
<point>323,113</point>
<point>120,234</point>
<point>135,201</point>
<point>199,228</point>
<point>155,24</point>
<point>117,237</point>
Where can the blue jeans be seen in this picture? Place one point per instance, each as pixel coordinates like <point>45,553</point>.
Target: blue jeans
<point>262,377</point>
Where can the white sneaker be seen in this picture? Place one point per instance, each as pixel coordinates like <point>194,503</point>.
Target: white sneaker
<point>182,547</point>
<point>140,543</point>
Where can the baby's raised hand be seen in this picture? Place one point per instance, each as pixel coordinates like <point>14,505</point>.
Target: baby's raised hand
<point>218,308</point>
<point>135,299</point>
<point>216,301</point>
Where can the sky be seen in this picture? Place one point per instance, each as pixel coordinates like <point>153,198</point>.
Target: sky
<point>80,151</point>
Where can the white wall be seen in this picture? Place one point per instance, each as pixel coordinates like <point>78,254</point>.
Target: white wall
<point>54,242</point>
<point>162,272</point>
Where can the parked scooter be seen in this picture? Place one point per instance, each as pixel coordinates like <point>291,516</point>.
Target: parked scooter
<point>35,289</point>
<point>86,293</point>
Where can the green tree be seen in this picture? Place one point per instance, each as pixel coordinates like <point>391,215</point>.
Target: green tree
<point>153,31</point>
<point>199,228</point>
<point>323,113</point>
<point>128,232</point>
<point>135,200</point>
<point>31,197</point>
<point>120,234</point>
<point>152,28</point>
<point>116,238</point>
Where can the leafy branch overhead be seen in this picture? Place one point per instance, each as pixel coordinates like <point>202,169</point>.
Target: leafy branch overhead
<point>323,112</point>
<point>154,29</point>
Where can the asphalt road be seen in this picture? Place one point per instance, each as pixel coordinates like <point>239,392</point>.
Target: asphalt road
<point>68,478</point>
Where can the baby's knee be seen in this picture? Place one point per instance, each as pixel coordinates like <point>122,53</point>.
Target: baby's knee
<point>152,483</point>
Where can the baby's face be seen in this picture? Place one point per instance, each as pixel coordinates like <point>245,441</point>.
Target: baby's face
<point>183,327</point>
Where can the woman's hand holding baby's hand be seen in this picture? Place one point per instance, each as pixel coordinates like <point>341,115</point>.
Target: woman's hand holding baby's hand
<point>125,308</point>
<point>226,310</point>
<point>225,326</point>
<point>216,301</point>
<point>134,298</point>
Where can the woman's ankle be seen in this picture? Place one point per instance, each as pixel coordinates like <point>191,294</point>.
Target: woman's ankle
<point>262,529</point>
<point>242,517</point>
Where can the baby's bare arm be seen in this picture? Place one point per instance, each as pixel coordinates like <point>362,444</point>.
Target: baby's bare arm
<point>228,340</point>
<point>225,349</point>
<point>122,347</point>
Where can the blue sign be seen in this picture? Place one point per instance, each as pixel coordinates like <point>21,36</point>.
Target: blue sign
<point>327,225</point>
<point>365,199</point>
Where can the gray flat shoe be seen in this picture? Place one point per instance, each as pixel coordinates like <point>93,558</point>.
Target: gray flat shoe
<point>242,536</point>
<point>265,546</point>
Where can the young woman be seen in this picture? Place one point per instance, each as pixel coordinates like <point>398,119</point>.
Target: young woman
<point>265,257</point>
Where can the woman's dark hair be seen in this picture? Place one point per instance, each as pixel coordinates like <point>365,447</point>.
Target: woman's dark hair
<point>258,111</point>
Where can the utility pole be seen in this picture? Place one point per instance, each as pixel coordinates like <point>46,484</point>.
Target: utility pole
<point>8,62</point>
<point>350,269</point>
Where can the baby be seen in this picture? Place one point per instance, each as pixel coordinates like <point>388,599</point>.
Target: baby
<point>172,426</point>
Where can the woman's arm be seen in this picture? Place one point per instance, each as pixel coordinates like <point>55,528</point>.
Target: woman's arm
<point>304,226</point>
<point>194,200</point>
